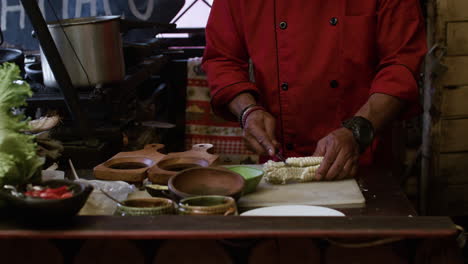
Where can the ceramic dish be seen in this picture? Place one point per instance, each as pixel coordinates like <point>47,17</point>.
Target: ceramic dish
<point>145,206</point>
<point>293,210</point>
<point>208,205</point>
<point>172,163</point>
<point>206,181</point>
<point>251,176</point>
<point>157,190</point>
<point>49,210</point>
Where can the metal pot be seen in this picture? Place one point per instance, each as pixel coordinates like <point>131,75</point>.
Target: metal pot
<point>91,49</point>
<point>34,72</point>
<point>12,55</point>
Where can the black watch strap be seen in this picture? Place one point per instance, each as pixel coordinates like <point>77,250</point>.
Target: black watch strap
<point>362,130</point>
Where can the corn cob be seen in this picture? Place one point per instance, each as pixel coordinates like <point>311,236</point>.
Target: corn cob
<point>304,161</point>
<point>296,170</point>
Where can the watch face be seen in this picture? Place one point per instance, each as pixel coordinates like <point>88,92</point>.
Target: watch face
<point>365,135</point>
<point>365,132</point>
<point>362,130</point>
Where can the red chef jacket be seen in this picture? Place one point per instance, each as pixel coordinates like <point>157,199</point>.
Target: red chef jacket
<point>316,62</point>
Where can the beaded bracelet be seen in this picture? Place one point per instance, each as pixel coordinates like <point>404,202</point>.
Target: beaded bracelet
<point>249,111</point>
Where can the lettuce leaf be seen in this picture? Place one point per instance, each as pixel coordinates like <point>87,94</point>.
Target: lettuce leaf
<point>19,162</point>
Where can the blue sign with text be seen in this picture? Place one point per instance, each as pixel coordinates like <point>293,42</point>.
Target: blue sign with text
<point>17,29</point>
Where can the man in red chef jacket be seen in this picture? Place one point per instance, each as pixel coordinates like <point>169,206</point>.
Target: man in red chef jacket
<point>329,75</point>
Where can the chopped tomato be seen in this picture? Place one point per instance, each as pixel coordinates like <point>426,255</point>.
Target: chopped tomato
<point>61,192</point>
<point>66,195</point>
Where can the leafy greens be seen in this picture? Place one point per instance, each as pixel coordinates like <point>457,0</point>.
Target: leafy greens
<point>19,162</point>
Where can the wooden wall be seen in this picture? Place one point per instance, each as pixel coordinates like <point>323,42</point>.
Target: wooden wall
<point>449,185</point>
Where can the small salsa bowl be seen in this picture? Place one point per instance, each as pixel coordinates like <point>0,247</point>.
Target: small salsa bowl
<point>208,205</point>
<point>157,190</point>
<point>39,209</point>
<point>251,176</point>
<point>145,206</point>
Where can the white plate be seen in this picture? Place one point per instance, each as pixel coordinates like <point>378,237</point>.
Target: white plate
<point>293,210</point>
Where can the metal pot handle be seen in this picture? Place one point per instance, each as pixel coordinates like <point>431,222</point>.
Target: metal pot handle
<point>126,25</point>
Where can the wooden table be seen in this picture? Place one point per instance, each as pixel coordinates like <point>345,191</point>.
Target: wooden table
<point>388,214</point>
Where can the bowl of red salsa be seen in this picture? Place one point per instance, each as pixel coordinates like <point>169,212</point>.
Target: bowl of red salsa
<point>49,200</point>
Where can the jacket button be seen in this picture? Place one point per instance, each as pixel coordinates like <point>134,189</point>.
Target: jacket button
<point>333,21</point>
<point>334,84</point>
<point>290,146</point>
<point>284,86</point>
<point>283,25</point>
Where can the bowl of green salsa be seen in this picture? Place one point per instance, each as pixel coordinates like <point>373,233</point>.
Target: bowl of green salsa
<point>252,177</point>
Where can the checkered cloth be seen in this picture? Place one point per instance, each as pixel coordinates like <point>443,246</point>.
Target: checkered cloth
<point>203,126</point>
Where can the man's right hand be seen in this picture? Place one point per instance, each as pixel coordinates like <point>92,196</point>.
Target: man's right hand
<point>259,127</point>
<point>259,133</point>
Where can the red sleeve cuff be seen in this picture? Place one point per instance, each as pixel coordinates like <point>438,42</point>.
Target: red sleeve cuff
<point>222,97</point>
<point>398,81</point>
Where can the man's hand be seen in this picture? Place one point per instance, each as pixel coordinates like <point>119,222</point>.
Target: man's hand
<point>341,155</point>
<point>259,133</point>
<point>259,127</point>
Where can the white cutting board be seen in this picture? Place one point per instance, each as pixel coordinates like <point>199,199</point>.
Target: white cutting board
<point>334,194</point>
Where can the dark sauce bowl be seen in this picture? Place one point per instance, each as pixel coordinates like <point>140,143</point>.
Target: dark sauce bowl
<point>33,210</point>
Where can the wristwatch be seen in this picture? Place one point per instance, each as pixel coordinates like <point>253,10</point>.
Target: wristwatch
<point>362,129</point>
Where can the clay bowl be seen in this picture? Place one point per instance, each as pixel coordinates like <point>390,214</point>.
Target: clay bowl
<point>145,206</point>
<point>129,169</point>
<point>182,163</point>
<point>168,167</point>
<point>207,205</point>
<point>129,163</point>
<point>206,181</point>
<point>157,190</point>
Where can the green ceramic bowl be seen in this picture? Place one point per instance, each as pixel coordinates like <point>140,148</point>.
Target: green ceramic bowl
<point>157,190</point>
<point>251,176</point>
<point>208,205</point>
<point>145,206</point>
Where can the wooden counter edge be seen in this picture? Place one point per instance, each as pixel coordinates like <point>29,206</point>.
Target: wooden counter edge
<point>218,227</point>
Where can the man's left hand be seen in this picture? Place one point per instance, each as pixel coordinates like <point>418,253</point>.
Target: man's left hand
<point>341,155</point>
